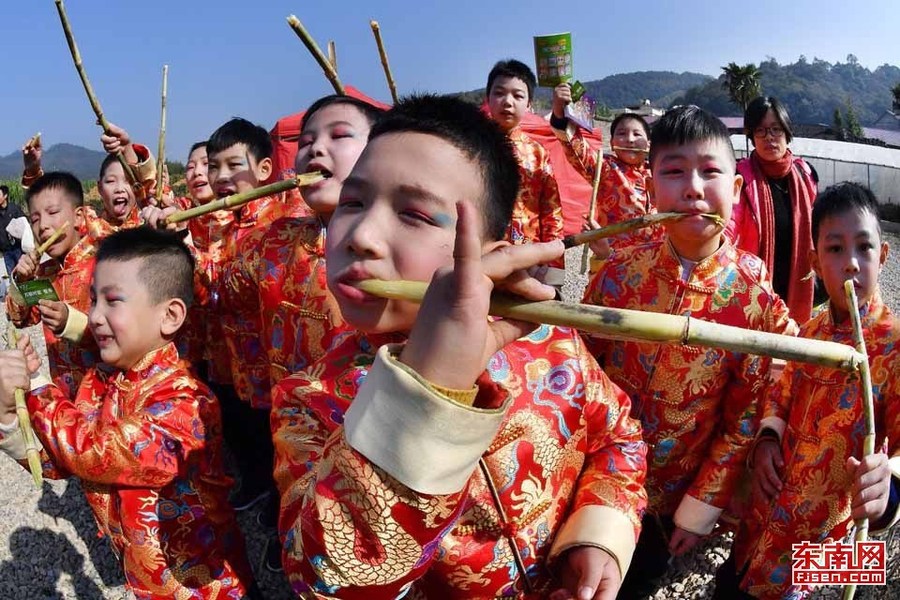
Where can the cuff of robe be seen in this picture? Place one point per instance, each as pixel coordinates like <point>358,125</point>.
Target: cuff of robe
<point>776,424</point>
<point>145,169</point>
<point>601,527</point>
<point>426,441</point>
<point>76,325</point>
<point>696,516</point>
<point>12,441</point>
<point>566,134</point>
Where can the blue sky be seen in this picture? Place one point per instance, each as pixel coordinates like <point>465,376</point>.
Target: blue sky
<point>238,57</point>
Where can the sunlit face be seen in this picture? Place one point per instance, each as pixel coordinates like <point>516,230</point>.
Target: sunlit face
<point>124,320</point>
<point>849,247</point>
<point>331,142</point>
<point>695,178</point>
<point>630,133</point>
<point>196,176</point>
<point>508,101</point>
<point>769,137</point>
<point>395,220</point>
<point>48,211</point>
<point>234,171</point>
<point>116,194</point>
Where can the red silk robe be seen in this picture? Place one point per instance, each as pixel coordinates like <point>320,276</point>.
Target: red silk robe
<point>72,353</point>
<point>147,447</point>
<point>697,405</point>
<point>537,213</point>
<point>283,280</point>
<point>564,456</point>
<point>818,415</point>
<point>241,329</point>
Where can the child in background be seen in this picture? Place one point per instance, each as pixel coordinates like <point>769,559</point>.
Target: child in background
<point>537,215</point>
<point>282,275</point>
<point>697,405</point>
<point>145,440</point>
<point>808,483</point>
<point>239,160</point>
<point>52,200</point>
<point>119,195</point>
<point>469,461</point>
<point>622,193</point>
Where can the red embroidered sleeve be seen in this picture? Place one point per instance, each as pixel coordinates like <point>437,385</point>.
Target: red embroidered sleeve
<point>145,448</point>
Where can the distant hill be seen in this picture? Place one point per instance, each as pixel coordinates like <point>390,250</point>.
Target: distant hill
<point>811,90</point>
<point>82,162</point>
<point>624,89</point>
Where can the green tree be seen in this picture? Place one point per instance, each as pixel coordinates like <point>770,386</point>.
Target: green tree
<point>896,92</point>
<point>741,83</point>
<point>854,128</point>
<point>838,125</point>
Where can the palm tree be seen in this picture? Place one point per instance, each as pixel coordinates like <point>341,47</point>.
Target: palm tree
<point>742,83</point>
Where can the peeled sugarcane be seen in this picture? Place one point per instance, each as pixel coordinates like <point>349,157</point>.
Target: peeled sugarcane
<point>595,189</point>
<point>161,148</point>
<point>332,54</point>
<point>313,47</point>
<point>376,30</point>
<point>627,324</point>
<point>236,200</point>
<point>92,98</point>
<point>624,149</point>
<point>52,239</point>
<point>576,239</point>
<point>31,451</point>
<point>865,382</point>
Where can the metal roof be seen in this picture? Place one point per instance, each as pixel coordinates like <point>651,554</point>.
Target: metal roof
<point>839,151</point>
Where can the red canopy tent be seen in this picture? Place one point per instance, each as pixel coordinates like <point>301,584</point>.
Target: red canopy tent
<point>287,131</point>
<point>574,190</point>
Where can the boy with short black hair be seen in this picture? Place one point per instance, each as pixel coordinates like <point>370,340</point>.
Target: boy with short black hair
<point>468,461</point>
<point>52,200</point>
<point>537,215</point>
<point>239,160</point>
<point>808,484</point>
<point>145,439</point>
<point>697,405</point>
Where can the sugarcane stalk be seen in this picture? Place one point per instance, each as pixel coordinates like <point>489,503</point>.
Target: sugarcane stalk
<point>52,239</point>
<point>376,31</point>
<point>332,54</point>
<point>637,325</point>
<point>576,239</point>
<point>92,97</point>
<point>626,149</point>
<point>161,148</point>
<point>35,141</point>
<point>592,209</point>
<point>31,452</point>
<point>865,382</point>
<point>313,47</point>
<point>236,200</point>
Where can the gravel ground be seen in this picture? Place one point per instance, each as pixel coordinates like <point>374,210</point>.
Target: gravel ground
<point>49,548</point>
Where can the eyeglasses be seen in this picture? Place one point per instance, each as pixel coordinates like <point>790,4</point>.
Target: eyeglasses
<point>775,132</point>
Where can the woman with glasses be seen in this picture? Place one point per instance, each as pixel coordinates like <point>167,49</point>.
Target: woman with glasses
<point>772,219</point>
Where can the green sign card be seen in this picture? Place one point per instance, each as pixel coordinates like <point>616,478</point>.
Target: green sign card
<point>553,58</point>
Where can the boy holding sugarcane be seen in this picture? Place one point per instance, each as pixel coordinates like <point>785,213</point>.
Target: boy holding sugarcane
<point>55,202</point>
<point>622,187</point>
<point>537,215</point>
<point>239,154</point>
<point>434,452</point>
<point>282,276</point>
<point>144,439</point>
<point>808,484</point>
<point>697,406</point>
